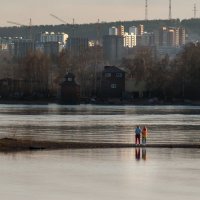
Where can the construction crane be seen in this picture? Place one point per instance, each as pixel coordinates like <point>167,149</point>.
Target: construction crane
<point>58,18</point>
<point>15,23</point>
<point>63,21</point>
<point>22,25</point>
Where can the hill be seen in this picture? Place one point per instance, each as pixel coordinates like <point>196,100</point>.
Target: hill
<point>90,30</point>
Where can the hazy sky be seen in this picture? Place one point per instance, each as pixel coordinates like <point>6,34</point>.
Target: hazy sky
<point>85,11</point>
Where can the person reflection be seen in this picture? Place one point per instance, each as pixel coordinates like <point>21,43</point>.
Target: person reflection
<point>144,154</point>
<point>137,154</point>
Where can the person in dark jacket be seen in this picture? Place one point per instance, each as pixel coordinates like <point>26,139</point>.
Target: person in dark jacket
<point>137,135</point>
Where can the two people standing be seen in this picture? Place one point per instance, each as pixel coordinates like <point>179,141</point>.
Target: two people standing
<point>138,132</point>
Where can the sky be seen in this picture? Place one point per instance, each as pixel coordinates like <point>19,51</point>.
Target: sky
<point>89,11</point>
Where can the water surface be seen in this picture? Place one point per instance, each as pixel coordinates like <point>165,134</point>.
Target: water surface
<point>87,123</point>
<point>113,174</point>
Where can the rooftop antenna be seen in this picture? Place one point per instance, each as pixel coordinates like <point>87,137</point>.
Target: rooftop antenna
<point>146,10</point>
<point>195,10</point>
<point>170,9</point>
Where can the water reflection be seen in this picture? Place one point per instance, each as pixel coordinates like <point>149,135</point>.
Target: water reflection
<point>108,174</point>
<point>138,153</point>
<point>144,154</point>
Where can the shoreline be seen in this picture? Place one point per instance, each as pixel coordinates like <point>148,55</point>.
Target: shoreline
<point>20,145</point>
<point>138,103</point>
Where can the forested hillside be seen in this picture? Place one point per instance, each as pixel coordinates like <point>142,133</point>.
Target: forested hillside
<point>90,30</point>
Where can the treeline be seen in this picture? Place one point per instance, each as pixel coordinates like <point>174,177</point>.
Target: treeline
<point>168,79</point>
<point>95,30</point>
<point>38,75</point>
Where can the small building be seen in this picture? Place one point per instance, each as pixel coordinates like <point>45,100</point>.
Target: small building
<point>70,90</point>
<point>113,82</point>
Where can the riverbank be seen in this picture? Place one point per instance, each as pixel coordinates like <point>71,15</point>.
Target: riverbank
<point>116,102</point>
<point>17,145</point>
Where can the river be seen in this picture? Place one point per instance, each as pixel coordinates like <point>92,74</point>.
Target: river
<point>86,123</point>
<point>108,174</point>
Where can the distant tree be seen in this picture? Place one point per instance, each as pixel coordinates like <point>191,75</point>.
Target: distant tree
<point>138,66</point>
<point>35,69</point>
<point>159,78</point>
<point>187,72</point>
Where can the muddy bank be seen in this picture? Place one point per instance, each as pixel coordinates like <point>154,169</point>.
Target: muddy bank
<point>14,145</point>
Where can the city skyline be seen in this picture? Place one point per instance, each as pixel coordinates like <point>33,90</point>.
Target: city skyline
<point>90,11</point>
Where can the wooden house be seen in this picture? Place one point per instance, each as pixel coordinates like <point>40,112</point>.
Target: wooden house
<point>70,90</point>
<point>112,82</point>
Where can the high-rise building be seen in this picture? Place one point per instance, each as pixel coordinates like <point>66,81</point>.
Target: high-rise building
<point>130,40</point>
<point>76,45</point>
<point>147,39</point>
<point>171,39</point>
<point>22,47</point>
<point>53,37</point>
<point>140,29</point>
<point>133,30</point>
<point>113,48</point>
<point>52,48</point>
<point>120,30</point>
<point>163,36</point>
<point>171,36</point>
<point>113,31</point>
<point>182,36</point>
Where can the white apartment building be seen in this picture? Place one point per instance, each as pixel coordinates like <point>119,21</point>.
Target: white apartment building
<point>130,40</point>
<point>113,30</point>
<point>53,37</point>
<point>133,30</point>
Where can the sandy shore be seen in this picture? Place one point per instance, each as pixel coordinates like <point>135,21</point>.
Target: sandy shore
<point>14,145</point>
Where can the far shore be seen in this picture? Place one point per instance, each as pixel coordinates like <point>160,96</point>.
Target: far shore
<point>115,102</point>
<point>19,145</point>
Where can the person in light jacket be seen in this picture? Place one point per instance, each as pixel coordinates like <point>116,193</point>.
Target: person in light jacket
<point>144,135</point>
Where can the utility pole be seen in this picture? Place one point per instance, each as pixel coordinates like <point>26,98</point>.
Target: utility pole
<point>146,10</point>
<point>170,9</point>
<point>30,27</point>
<point>98,32</point>
<point>73,26</point>
<point>195,10</point>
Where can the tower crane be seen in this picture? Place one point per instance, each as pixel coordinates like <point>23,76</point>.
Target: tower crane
<point>58,18</point>
<point>22,25</point>
<point>63,21</point>
<point>15,23</point>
